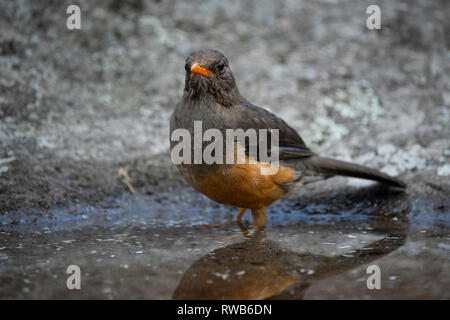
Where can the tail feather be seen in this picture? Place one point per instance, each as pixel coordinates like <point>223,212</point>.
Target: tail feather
<point>331,167</point>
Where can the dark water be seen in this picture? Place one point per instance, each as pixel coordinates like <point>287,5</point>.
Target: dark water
<point>319,247</point>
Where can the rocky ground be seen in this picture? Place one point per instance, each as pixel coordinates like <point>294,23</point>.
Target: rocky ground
<point>77,105</point>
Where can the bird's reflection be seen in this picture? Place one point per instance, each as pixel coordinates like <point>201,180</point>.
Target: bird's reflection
<point>259,268</point>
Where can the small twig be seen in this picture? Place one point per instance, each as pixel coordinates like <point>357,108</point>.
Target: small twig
<point>122,173</point>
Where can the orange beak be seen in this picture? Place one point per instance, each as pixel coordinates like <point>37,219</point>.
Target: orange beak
<point>196,69</point>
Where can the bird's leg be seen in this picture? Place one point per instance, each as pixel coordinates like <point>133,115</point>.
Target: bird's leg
<point>240,214</point>
<point>259,218</point>
<point>225,224</point>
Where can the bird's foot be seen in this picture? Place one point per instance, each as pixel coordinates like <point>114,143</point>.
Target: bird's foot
<point>259,218</point>
<point>219,226</point>
<point>245,232</point>
<point>223,225</point>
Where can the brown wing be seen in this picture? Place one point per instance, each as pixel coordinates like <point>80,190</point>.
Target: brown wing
<point>291,144</point>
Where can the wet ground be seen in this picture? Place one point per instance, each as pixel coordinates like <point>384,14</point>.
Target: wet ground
<point>319,247</point>
<point>77,106</point>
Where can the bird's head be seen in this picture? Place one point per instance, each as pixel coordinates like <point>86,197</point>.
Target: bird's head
<point>208,76</point>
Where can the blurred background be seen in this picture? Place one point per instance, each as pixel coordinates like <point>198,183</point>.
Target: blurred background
<point>77,105</point>
<point>102,95</point>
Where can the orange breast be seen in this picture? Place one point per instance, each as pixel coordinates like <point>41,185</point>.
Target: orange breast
<point>244,186</point>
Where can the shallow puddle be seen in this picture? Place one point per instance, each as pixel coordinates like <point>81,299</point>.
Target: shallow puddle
<point>136,247</point>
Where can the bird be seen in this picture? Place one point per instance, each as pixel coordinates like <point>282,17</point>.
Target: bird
<point>211,97</point>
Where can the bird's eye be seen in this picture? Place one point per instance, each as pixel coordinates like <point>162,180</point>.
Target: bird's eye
<point>220,66</point>
<point>187,68</point>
